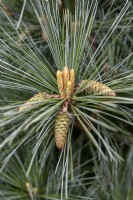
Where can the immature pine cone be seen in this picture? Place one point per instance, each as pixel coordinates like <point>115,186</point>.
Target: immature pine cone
<point>65,77</point>
<point>69,90</point>
<point>62,123</point>
<point>94,87</point>
<point>72,78</point>
<point>60,83</point>
<point>65,82</point>
<point>38,97</point>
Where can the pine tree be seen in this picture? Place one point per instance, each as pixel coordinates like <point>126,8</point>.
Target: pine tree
<point>66,95</point>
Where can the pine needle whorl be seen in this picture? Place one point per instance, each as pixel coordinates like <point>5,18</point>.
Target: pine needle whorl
<point>94,87</point>
<point>62,123</point>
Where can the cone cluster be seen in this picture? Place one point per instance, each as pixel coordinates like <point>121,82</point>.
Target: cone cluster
<point>65,82</point>
<point>38,97</point>
<point>62,123</point>
<point>94,87</point>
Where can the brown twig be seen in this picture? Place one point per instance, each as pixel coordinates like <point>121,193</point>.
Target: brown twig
<point>53,96</point>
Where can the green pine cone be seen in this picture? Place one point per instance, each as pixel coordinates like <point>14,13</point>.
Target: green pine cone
<point>94,87</point>
<point>62,123</point>
<point>37,97</point>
